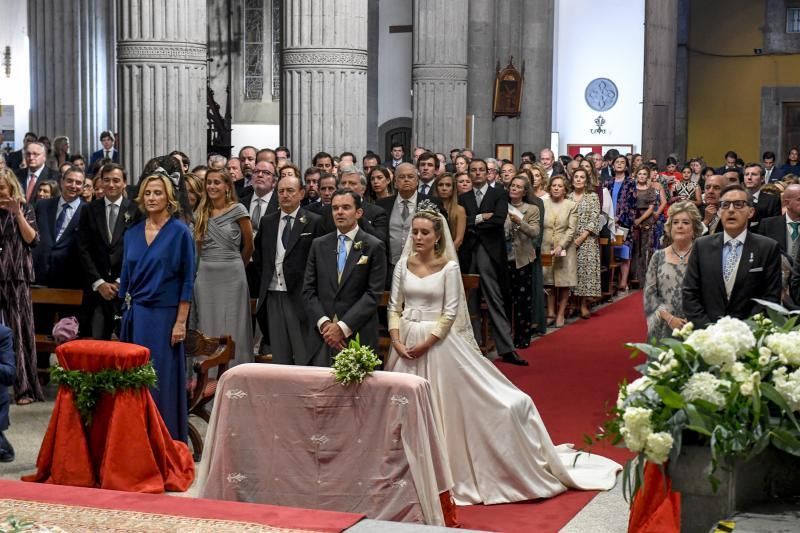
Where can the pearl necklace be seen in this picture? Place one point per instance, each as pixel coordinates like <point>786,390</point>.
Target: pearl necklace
<point>682,258</point>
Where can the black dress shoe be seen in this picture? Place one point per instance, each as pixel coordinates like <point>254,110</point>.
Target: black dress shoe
<point>514,359</point>
<point>6,450</point>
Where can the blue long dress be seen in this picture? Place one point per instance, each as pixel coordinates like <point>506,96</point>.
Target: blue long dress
<point>154,280</point>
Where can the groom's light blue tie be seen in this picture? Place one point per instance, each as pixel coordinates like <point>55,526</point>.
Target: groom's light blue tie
<point>341,256</point>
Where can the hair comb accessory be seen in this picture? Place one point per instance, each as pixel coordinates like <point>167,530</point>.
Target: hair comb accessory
<point>426,206</point>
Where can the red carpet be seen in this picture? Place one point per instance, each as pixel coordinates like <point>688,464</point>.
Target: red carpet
<point>270,515</point>
<point>573,377</point>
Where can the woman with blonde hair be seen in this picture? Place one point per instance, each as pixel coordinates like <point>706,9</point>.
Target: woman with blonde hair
<point>560,224</point>
<point>60,154</point>
<point>224,239</point>
<point>539,180</point>
<point>156,287</point>
<point>444,188</point>
<point>18,234</point>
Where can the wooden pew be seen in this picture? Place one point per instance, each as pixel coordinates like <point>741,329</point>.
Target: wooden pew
<point>62,298</point>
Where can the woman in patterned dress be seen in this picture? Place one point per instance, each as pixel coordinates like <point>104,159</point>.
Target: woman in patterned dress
<point>522,229</point>
<point>623,197</point>
<point>663,300</point>
<point>648,201</point>
<point>18,234</point>
<point>586,235</point>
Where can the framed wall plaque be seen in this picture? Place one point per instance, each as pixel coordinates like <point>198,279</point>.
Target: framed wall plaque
<point>504,151</point>
<point>507,91</point>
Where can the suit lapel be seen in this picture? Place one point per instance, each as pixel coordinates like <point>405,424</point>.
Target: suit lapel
<point>119,225</point>
<point>101,219</point>
<point>53,211</point>
<point>352,258</point>
<point>271,236</point>
<point>715,263</point>
<point>297,229</point>
<point>746,262</point>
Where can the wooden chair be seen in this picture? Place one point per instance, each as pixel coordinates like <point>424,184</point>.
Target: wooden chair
<point>205,354</point>
<point>62,298</point>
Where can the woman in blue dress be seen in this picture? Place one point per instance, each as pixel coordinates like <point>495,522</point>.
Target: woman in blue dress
<point>156,284</point>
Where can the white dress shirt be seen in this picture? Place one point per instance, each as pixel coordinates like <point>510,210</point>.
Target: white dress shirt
<point>118,203</point>
<point>278,282</point>
<point>483,190</point>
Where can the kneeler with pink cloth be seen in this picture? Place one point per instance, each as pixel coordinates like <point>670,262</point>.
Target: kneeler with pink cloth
<point>291,435</point>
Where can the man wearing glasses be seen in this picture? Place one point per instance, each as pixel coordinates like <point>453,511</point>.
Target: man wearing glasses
<point>727,270</point>
<point>258,197</point>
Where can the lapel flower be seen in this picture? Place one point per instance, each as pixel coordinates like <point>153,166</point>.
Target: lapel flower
<point>357,245</point>
<point>302,219</point>
<point>127,217</point>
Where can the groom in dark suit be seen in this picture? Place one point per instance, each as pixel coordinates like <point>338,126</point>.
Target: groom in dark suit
<point>484,250</point>
<point>344,282</point>
<point>728,269</point>
<point>281,253</point>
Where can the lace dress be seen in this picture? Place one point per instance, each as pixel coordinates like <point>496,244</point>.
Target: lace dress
<point>497,446</point>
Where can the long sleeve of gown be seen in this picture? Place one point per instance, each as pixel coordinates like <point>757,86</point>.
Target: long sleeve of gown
<point>396,299</point>
<point>187,266</point>
<point>451,299</point>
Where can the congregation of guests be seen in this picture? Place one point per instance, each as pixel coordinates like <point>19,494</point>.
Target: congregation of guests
<point>190,246</point>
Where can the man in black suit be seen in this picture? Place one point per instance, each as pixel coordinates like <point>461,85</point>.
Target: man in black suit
<point>7,374</point>
<point>730,163</point>
<point>771,172</point>
<point>326,187</point>
<point>258,197</point>
<point>727,270</point>
<point>548,160</point>
<point>107,151</point>
<point>785,229</point>
<point>36,172</point>
<point>311,184</point>
<point>427,164</point>
<point>343,283</point>
<point>14,159</point>
<point>100,239</point>
<point>709,209</point>
<point>398,155</point>
<point>374,220</point>
<point>485,252</point>
<point>766,205</point>
<point>399,208</point>
<point>280,257</point>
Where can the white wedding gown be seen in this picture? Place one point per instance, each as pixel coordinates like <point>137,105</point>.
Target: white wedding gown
<point>498,448</point>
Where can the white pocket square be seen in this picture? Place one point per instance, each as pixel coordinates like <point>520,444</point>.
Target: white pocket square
<point>363,260</point>
<point>757,269</point>
<point>305,234</point>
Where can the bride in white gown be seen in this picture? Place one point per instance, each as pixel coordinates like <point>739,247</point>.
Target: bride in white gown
<point>498,448</point>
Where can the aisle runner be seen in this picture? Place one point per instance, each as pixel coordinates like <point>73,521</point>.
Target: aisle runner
<point>572,377</point>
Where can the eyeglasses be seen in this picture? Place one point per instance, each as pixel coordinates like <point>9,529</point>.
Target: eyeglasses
<point>265,172</point>
<point>493,170</point>
<point>736,204</point>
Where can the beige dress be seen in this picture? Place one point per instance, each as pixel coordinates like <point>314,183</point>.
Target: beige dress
<point>560,225</point>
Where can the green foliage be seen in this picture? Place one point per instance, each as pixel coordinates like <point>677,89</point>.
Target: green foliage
<point>87,386</point>
<point>354,363</point>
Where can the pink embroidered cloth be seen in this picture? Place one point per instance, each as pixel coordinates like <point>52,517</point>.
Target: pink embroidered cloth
<point>291,435</point>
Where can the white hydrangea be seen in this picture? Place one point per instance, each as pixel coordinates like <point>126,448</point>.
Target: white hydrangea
<point>665,364</point>
<point>634,387</point>
<point>683,332</point>
<point>658,447</point>
<point>636,427</point>
<point>788,386</point>
<point>786,345</point>
<point>704,386</point>
<point>722,342</point>
<point>739,372</point>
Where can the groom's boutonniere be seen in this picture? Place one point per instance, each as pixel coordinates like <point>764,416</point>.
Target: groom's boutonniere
<point>127,217</point>
<point>357,245</point>
<point>302,219</point>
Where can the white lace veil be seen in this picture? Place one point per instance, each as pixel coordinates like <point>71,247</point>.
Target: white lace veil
<point>462,324</point>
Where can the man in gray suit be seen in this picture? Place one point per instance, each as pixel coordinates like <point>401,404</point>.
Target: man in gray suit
<point>344,282</point>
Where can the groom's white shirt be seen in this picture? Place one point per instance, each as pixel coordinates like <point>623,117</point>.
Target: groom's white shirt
<point>351,237</point>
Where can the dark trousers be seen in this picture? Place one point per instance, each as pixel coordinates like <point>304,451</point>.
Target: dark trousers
<point>287,331</point>
<point>493,295</point>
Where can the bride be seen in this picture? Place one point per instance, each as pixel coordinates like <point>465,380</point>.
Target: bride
<point>497,446</point>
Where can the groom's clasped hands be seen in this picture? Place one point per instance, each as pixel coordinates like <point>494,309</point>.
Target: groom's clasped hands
<point>333,335</point>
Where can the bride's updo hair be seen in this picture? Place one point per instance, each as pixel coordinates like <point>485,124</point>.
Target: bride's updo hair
<point>436,220</point>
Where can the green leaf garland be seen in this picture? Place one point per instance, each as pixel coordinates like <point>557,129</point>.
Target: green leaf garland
<point>87,386</point>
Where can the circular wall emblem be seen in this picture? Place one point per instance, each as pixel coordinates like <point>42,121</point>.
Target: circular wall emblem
<point>601,94</point>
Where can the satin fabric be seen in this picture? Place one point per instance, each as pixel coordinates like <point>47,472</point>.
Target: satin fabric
<point>127,446</point>
<point>497,446</point>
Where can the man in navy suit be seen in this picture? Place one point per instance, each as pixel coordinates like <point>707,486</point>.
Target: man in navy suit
<point>7,374</point>
<point>771,172</point>
<point>107,152</point>
<point>36,172</point>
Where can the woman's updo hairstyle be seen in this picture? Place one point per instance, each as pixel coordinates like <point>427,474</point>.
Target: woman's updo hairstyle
<point>432,213</point>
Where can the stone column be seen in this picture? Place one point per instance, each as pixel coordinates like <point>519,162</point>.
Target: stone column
<point>161,61</point>
<point>324,82</point>
<point>536,120</point>
<point>480,78</point>
<point>660,64</point>
<point>72,70</point>
<point>439,74</point>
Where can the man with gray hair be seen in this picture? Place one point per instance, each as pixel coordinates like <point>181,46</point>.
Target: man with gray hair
<point>493,170</point>
<point>548,160</point>
<point>373,220</point>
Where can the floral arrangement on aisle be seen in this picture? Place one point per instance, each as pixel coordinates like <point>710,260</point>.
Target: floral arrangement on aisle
<point>355,363</point>
<point>734,386</point>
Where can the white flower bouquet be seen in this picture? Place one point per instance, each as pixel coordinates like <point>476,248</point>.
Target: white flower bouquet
<point>734,386</point>
<point>354,363</point>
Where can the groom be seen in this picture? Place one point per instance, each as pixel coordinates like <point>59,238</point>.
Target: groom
<point>344,281</point>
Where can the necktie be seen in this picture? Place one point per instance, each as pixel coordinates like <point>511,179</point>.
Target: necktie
<point>404,213</point>
<point>31,186</point>
<point>478,197</point>
<point>112,220</point>
<point>341,256</point>
<point>108,156</point>
<point>730,262</point>
<point>423,189</point>
<point>257,214</point>
<point>60,221</point>
<point>287,230</point>
<point>794,226</point>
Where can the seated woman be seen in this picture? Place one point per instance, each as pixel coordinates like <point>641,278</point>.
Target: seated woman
<point>663,298</point>
<point>497,446</point>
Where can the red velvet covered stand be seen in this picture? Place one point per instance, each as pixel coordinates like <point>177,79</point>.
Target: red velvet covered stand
<point>656,508</point>
<point>127,446</point>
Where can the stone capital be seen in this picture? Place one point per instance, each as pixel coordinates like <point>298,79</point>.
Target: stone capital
<point>161,52</point>
<point>325,57</point>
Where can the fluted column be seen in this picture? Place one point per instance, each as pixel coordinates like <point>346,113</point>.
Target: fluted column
<point>72,70</point>
<point>481,62</point>
<point>537,96</point>
<point>161,63</point>
<point>324,80</point>
<point>439,74</point>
